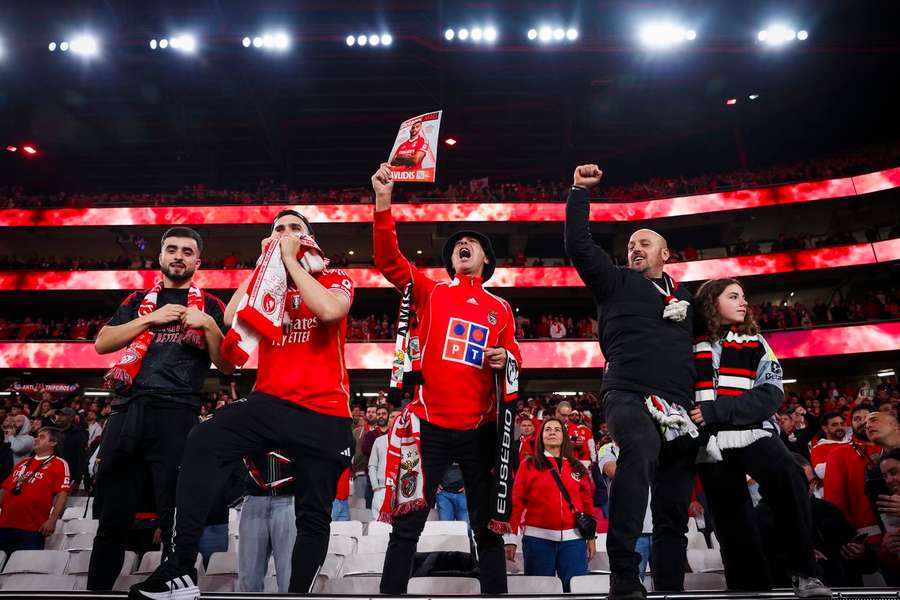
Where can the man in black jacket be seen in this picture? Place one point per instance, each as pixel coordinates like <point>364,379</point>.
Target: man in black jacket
<point>72,445</point>
<point>646,331</point>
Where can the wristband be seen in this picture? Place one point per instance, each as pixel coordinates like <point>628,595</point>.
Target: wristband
<point>579,187</point>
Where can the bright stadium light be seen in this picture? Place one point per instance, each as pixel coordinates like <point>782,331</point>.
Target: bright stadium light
<point>154,44</point>
<point>387,39</point>
<point>184,42</point>
<point>362,40</point>
<point>85,45</point>
<point>246,42</point>
<point>449,35</point>
<point>545,33</point>
<point>351,40</point>
<point>571,34</point>
<point>164,43</point>
<point>258,42</point>
<point>779,34</point>
<point>558,34</point>
<point>463,34</point>
<point>51,46</point>
<point>64,46</point>
<point>374,40</point>
<point>477,34</point>
<point>532,34</point>
<point>802,35</point>
<point>665,35</point>
<point>490,34</point>
<point>271,40</point>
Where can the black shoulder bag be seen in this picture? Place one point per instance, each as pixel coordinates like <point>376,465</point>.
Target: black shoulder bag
<point>584,523</point>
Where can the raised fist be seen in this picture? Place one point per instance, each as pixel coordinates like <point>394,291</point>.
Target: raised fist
<point>587,176</point>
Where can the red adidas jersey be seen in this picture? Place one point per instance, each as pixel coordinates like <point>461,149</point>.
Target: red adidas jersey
<point>845,486</point>
<point>819,454</point>
<point>43,479</point>
<point>308,367</point>
<point>409,148</point>
<point>457,321</point>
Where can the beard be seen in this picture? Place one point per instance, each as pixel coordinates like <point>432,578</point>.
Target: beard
<point>861,434</point>
<point>382,422</point>
<point>186,275</point>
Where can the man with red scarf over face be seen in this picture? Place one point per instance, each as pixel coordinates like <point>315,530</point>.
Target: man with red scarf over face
<point>171,332</point>
<point>463,334</point>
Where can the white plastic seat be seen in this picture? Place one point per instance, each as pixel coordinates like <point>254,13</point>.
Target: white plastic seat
<point>79,563</point>
<point>81,541</point>
<point>342,544</point>
<point>590,584</point>
<point>363,564</point>
<point>534,584</point>
<point>443,543</point>
<point>704,582</point>
<point>149,563</point>
<point>50,562</point>
<point>363,515</point>
<point>217,583</point>
<point>78,502</point>
<point>379,528</point>
<point>372,544</point>
<point>357,503</point>
<point>57,541</point>
<point>351,528</point>
<point>352,586</point>
<point>696,541</point>
<point>73,512</point>
<point>76,526</point>
<point>705,561</point>
<point>22,582</point>
<point>445,528</point>
<point>516,566</point>
<point>599,564</point>
<point>222,563</point>
<point>331,568</point>
<point>124,582</point>
<point>270,585</point>
<point>444,586</point>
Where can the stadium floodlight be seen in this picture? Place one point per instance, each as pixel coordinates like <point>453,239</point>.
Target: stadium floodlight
<point>665,35</point>
<point>449,35</point>
<point>778,34</point>
<point>477,34</point>
<point>802,35</point>
<point>246,42</point>
<point>545,34</point>
<point>532,34</point>
<point>559,34</point>
<point>164,43</point>
<point>351,40</point>
<point>51,46</point>
<point>374,40</point>
<point>571,34</point>
<point>754,97</point>
<point>85,45</point>
<point>731,102</point>
<point>362,40</point>
<point>258,42</point>
<point>387,39</point>
<point>490,34</point>
<point>184,42</point>
<point>154,44</point>
<point>273,41</point>
<point>463,34</point>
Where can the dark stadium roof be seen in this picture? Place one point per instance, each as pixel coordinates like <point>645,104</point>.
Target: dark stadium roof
<point>325,114</point>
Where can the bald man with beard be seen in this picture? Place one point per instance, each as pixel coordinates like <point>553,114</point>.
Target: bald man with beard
<point>646,334</point>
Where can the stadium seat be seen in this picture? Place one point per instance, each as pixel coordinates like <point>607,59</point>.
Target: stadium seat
<point>351,586</point>
<point>446,528</point>
<point>696,541</point>
<point>2,558</point>
<point>363,515</point>
<point>217,583</point>
<point>270,569</point>
<point>444,586</point>
<point>342,544</point>
<point>76,526</point>
<point>78,502</point>
<point>705,561</point>
<point>57,541</point>
<point>378,528</point>
<point>73,512</point>
<point>372,544</point>
<point>270,585</point>
<point>351,528</point>
<point>124,582</point>
<point>50,562</point>
<point>233,543</point>
<point>151,561</point>
<point>331,568</point>
<point>222,563</point>
<point>433,515</point>
<point>81,541</point>
<point>534,584</point>
<point>363,564</point>
<point>590,584</point>
<point>515,566</point>
<point>357,502</point>
<point>79,562</point>
<point>22,582</point>
<point>600,563</point>
<point>704,582</point>
<point>444,543</point>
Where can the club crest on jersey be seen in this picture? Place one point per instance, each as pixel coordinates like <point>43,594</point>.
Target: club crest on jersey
<point>413,350</point>
<point>492,318</point>
<point>466,342</point>
<point>268,303</point>
<point>295,302</point>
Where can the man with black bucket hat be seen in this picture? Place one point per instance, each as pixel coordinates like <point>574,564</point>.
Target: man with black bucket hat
<point>457,341</point>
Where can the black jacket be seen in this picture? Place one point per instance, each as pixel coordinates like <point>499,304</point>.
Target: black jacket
<point>73,449</point>
<point>644,352</point>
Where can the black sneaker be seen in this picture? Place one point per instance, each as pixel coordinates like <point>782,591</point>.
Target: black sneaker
<point>168,582</point>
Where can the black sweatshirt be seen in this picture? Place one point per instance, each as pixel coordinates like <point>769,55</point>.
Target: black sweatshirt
<point>644,352</point>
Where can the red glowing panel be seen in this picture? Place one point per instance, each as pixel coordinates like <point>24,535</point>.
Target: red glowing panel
<point>459,212</point>
<point>833,341</point>
<point>736,266</point>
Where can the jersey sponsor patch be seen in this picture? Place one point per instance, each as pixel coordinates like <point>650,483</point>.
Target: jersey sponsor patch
<point>465,342</point>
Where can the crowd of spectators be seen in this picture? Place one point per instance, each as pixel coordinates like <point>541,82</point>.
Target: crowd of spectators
<point>771,316</point>
<point>480,190</point>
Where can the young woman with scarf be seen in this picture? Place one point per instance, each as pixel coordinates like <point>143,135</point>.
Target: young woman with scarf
<point>737,391</point>
<point>551,542</point>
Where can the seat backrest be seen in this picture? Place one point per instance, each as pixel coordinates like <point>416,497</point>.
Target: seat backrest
<point>149,563</point>
<point>51,562</point>
<point>590,584</point>
<point>79,563</point>
<point>217,583</point>
<point>444,543</point>
<point>444,586</point>
<point>363,564</point>
<point>369,544</point>
<point>124,582</point>
<point>351,528</point>
<point>697,582</point>
<point>81,541</point>
<point>696,541</point>
<point>331,568</point>
<point>599,564</point>
<point>73,512</point>
<point>80,526</point>
<point>379,528</point>
<point>534,584</point>
<point>705,561</point>
<point>352,586</point>
<point>446,528</point>
<point>22,582</point>
<point>342,544</point>
<point>363,515</point>
<point>222,563</point>
<point>57,541</point>
<point>130,563</point>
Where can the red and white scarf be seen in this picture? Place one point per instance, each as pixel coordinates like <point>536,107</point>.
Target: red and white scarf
<point>261,311</point>
<point>404,479</point>
<point>122,375</point>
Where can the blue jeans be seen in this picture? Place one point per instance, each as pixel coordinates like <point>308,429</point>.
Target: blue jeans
<point>452,507</point>
<point>642,547</point>
<point>549,558</point>
<point>12,540</point>
<point>340,510</point>
<point>267,528</point>
<point>213,539</point>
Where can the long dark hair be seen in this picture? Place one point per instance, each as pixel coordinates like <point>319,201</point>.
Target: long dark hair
<point>543,463</point>
<point>710,323</point>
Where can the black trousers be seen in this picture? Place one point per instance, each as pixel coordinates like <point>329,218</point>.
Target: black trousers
<point>158,446</point>
<point>320,448</point>
<point>474,451</point>
<point>783,486</point>
<point>645,462</point>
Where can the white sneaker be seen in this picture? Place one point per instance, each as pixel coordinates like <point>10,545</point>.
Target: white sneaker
<point>810,587</point>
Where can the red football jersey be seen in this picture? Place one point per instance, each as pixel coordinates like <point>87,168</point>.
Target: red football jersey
<point>42,479</point>
<point>308,367</point>
<point>409,148</point>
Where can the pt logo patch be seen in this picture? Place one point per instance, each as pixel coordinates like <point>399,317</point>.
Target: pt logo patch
<point>466,342</point>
